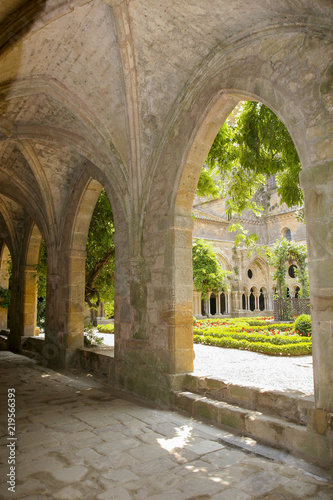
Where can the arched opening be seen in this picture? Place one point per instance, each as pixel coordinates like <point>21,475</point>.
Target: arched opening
<point>297,290</point>
<point>89,276</point>
<point>292,271</point>
<point>252,300</point>
<point>243,301</point>
<point>213,308</point>
<point>287,234</point>
<point>261,300</point>
<point>209,108</point>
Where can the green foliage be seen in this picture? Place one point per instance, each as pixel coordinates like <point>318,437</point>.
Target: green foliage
<point>90,338</point>
<point>106,328</point>
<point>5,295</point>
<point>243,155</point>
<point>100,260</point>
<point>41,271</point>
<point>208,275</point>
<point>303,325</point>
<point>299,349</point>
<point>208,184</point>
<point>285,251</point>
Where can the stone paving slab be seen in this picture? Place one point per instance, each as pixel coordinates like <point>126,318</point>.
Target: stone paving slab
<point>84,443</point>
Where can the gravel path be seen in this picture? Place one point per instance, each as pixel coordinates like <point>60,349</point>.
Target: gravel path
<point>253,369</point>
<point>250,368</point>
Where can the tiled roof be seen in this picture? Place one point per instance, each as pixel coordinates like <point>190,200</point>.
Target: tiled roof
<point>198,214</point>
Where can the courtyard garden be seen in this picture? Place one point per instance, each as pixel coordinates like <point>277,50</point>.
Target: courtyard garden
<point>260,335</point>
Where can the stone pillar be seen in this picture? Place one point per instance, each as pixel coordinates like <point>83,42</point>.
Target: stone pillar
<point>16,307</point>
<point>54,350</point>
<point>265,301</point>
<point>75,287</point>
<point>317,184</point>
<point>218,304</point>
<point>208,305</point>
<point>30,301</point>
<point>256,295</point>
<point>196,303</point>
<point>177,311</point>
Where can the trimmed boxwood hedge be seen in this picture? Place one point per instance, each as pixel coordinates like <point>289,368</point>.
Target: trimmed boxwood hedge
<point>106,328</point>
<point>296,349</point>
<point>253,337</point>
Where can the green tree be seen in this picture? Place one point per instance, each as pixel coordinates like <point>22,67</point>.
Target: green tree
<point>100,262</point>
<point>41,272</point>
<point>244,154</point>
<point>208,275</point>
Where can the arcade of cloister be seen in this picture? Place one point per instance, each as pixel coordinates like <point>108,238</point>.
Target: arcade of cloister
<point>251,286</point>
<point>128,96</point>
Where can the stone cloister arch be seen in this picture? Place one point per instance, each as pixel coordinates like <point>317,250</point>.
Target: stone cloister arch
<point>247,72</point>
<point>123,105</point>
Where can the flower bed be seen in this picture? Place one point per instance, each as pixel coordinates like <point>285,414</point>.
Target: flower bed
<point>279,339</point>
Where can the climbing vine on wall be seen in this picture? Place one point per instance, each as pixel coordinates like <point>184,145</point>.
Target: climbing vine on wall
<point>287,252</point>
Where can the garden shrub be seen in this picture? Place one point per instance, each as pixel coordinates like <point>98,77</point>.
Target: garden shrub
<point>90,338</point>
<point>303,325</point>
<point>106,328</point>
<point>299,349</point>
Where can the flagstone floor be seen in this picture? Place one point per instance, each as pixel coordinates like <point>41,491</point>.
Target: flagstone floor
<point>76,440</point>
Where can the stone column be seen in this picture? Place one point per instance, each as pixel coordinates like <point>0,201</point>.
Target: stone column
<point>208,305</point>
<point>75,300</point>
<point>256,296</point>
<point>317,184</point>
<point>30,301</point>
<point>218,304</point>
<point>177,308</point>
<point>228,303</point>
<point>270,301</point>
<point>196,303</point>
<point>265,301</point>
<point>16,306</point>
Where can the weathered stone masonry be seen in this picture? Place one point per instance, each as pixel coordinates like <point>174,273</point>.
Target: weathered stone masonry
<point>129,95</point>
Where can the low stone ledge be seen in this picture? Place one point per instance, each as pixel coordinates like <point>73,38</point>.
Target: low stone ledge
<point>3,342</point>
<point>98,360</point>
<point>292,405</point>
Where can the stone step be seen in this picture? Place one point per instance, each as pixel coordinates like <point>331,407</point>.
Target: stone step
<point>292,405</point>
<point>273,431</point>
